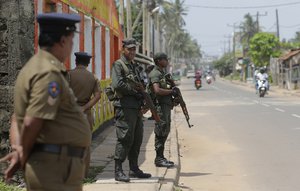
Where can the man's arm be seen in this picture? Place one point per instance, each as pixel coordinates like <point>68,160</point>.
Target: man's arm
<point>31,128</point>
<point>21,143</point>
<point>92,102</point>
<point>161,91</point>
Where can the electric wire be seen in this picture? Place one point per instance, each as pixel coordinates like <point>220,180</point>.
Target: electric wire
<point>243,7</point>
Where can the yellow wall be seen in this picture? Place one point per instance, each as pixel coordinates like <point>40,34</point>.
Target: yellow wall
<point>103,110</point>
<point>103,10</point>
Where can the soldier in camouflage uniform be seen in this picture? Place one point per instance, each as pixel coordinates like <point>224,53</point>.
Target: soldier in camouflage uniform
<point>164,103</point>
<point>128,116</point>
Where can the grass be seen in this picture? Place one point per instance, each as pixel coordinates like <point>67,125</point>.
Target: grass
<point>93,172</point>
<point>5,187</point>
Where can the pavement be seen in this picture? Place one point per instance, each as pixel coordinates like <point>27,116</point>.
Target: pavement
<point>163,179</point>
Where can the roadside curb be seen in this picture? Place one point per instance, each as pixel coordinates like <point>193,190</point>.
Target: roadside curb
<point>172,174</point>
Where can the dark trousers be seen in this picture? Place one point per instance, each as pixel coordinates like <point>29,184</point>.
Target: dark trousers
<point>161,134</point>
<point>129,129</point>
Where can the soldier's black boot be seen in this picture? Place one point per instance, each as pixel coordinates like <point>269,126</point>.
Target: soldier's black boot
<point>136,172</point>
<point>119,174</point>
<point>161,161</point>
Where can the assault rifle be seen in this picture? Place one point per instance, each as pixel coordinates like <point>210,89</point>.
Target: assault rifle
<point>149,102</point>
<point>180,99</point>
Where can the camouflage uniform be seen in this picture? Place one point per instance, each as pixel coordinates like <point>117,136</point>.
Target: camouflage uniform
<point>164,105</point>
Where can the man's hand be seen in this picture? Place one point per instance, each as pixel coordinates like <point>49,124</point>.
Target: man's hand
<point>175,91</point>
<point>14,161</point>
<point>139,87</point>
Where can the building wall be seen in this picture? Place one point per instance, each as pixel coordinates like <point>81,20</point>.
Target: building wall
<point>100,35</point>
<point>16,47</point>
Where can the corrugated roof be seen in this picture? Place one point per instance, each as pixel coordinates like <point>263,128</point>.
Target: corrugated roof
<point>290,54</point>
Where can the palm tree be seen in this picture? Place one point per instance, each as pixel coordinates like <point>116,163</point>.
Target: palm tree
<point>249,28</point>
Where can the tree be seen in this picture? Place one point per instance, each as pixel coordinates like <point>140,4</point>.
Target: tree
<point>262,47</point>
<point>224,64</point>
<point>249,29</point>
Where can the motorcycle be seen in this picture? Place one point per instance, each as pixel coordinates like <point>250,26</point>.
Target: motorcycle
<point>262,88</point>
<point>208,79</point>
<point>198,84</point>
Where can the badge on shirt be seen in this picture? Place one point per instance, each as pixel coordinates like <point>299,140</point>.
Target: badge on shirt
<point>53,90</point>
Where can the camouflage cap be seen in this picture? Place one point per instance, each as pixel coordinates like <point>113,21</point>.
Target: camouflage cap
<point>160,55</point>
<point>129,42</point>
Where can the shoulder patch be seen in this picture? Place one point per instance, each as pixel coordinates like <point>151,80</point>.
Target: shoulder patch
<point>53,89</point>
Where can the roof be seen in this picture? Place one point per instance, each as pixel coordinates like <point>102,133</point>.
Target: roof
<point>290,54</point>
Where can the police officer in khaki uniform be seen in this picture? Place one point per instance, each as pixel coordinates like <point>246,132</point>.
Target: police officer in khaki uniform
<point>164,104</point>
<point>49,132</point>
<point>128,115</point>
<point>85,85</point>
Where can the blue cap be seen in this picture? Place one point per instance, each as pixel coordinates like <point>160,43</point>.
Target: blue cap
<point>82,57</point>
<point>57,22</point>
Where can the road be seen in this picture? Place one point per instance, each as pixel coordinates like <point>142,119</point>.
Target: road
<point>239,142</point>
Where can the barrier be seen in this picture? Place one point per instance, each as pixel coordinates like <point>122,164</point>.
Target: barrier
<point>102,111</point>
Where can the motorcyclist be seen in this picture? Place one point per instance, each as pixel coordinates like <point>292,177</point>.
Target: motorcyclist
<point>262,75</point>
<point>198,77</point>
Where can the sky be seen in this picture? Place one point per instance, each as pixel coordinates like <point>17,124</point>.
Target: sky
<point>212,27</point>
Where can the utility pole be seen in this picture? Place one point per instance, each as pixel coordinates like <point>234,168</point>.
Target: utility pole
<point>229,42</point>
<point>277,24</point>
<point>234,26</point>
<point>128,15</point>
<point>257,19</point>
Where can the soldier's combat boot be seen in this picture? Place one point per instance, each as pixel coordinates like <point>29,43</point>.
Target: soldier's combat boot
<point>135,172</point>
<point>119,174</point>
<point>161,161</point>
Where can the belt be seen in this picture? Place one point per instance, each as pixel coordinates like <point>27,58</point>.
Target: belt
<point>72,151</point>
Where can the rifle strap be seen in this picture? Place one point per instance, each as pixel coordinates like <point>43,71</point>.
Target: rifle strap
<point>125,68</point>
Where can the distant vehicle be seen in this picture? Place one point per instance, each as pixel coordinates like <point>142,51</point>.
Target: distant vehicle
<point>190,74</point>
<point>177,78</point>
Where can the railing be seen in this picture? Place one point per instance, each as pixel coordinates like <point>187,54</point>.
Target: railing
<point>103,111</point>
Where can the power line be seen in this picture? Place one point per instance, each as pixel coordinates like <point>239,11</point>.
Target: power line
<point>246,7</point>
<point>292,26</point>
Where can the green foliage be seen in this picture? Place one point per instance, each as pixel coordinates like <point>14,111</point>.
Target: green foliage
<point>5,187</point>
<point>224,64</point>
<point>262,47</point>
<point>93,172</point>
<point>179,42</point>
<point>289,45</point>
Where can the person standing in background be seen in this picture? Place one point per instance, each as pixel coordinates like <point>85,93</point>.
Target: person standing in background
<point>86,89</point>
<point>128,115</point>
<point>163,94</point>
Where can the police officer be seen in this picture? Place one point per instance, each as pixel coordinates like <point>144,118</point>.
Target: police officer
<point>85,85</point>
<point>163,95</point>
<point>128,116</point>
<point>49,132</point>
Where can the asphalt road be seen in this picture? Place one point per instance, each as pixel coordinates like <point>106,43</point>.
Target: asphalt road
<point>239,142</point>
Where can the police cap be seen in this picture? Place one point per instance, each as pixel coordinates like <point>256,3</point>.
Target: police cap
<point>160,55</point>
<point>129,42</point>
<point>57,22</point>
<point>82,57</point>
